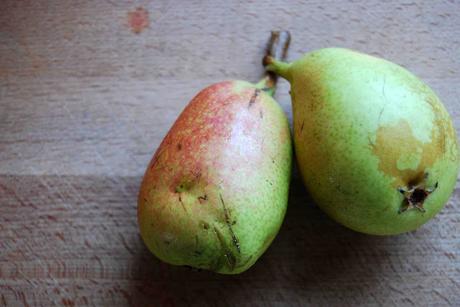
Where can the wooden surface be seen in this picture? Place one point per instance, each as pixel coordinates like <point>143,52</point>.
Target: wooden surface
<point>89,89</point>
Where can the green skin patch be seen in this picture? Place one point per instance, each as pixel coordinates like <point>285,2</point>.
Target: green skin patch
<point>375,146</point>
<point>215,193</point>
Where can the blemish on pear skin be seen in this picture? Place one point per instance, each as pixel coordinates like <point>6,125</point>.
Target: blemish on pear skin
<point>205,225</point>
<point>235,241</point>
<point>445,128</point>
<point>394,142</point>
<point>181,203</point>
<point>138,20</point>
<point>441,119</point>
<point>253,97</point>
<point>227,253</point>
<point>203,198</point>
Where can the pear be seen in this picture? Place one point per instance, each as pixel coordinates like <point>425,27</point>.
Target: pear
<point>375,146</point>
<point>215,193</point>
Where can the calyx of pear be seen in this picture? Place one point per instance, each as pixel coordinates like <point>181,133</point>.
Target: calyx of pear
<point>215,192</point>
<point>375,146</point>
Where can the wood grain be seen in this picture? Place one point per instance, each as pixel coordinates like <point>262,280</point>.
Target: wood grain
<point>85,100</point>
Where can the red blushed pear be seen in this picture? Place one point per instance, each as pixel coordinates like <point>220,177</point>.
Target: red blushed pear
<point>215,193</point>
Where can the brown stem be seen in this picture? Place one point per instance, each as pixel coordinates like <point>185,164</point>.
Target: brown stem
<point>277,48</point>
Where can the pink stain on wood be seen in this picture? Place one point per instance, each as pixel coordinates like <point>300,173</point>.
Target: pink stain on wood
<point>138,20</point>
<point>67,302</point>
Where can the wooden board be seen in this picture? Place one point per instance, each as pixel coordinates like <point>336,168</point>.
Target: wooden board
<point>89,88</point>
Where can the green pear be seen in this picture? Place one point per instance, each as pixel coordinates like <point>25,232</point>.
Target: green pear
<point>375,146</point>
<point>215,193</point>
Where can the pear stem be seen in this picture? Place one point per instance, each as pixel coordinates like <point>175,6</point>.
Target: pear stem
<point>277,67</point>
<point>276,51</point>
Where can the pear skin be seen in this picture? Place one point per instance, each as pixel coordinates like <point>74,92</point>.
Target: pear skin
<point>375,146</point>
<point>215,193</point>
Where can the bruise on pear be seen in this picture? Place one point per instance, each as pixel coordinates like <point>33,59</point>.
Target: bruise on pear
<point>397,142</point>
